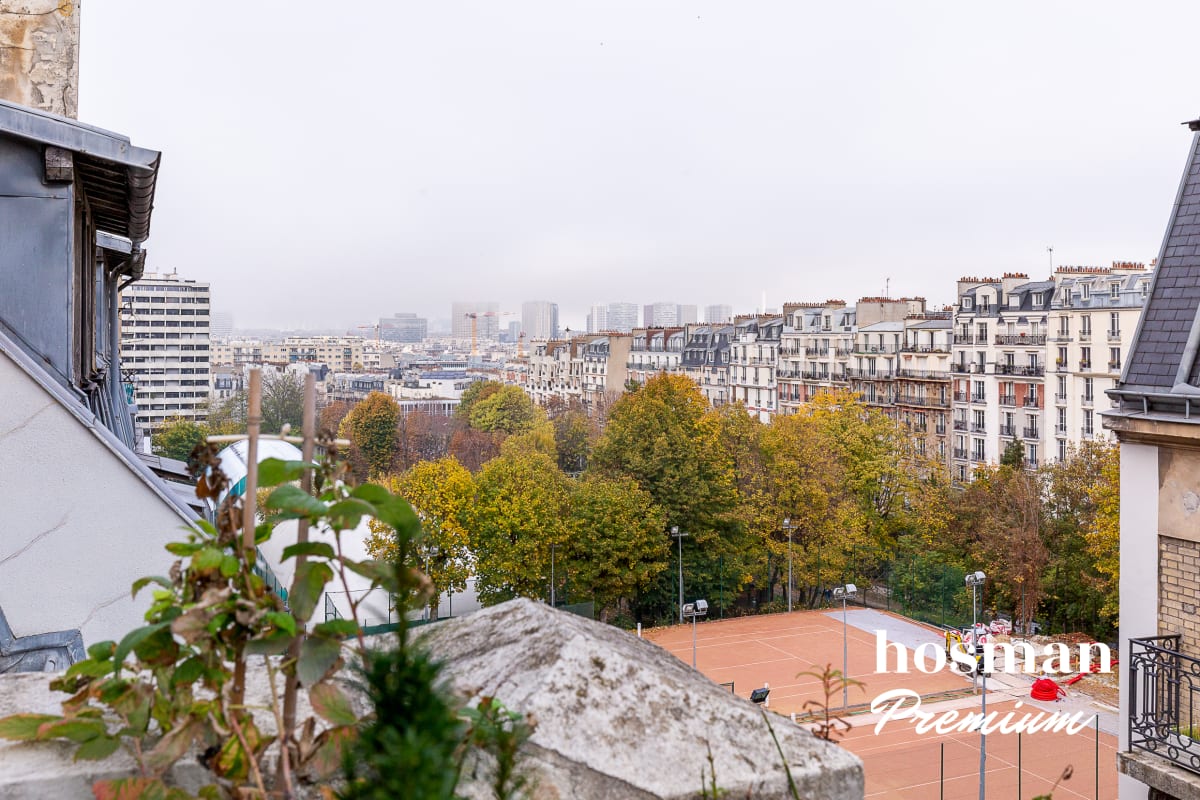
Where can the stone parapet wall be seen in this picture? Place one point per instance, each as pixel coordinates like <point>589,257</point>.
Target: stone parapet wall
<point>39,54</point>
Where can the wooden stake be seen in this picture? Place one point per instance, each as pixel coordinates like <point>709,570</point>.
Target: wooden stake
<point>309,431</point>
<point>249,497</point>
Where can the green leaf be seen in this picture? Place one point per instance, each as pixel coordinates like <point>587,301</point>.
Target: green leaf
<point>134,638</point>
<point>91,668</point>
<point>292,501</point>
<point>172,746</point>
<point>319,549</point>
<point>229,566</point>
<point>188,672</point>
<point>101,651</point>
<point>182,549</point>
<point>346,514</point>
<point>208,558</point>
<point>272,644</point>
<point>77,730</point>
<point>24,727</point>
<point>332,704</point>
<point>140,789</point>
<point>263,532</point>
<point>307,586</point>
<point>97,749</point>
<point>317,655</point>
<point>283,621</point>
<point>274,471</point>
<point>336,628</point>
<point>141,583</point>
<point>158,649</point>
<point>397,514</point>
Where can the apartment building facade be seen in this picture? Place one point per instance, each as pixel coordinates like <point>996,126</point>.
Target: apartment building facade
<point>753,356</point>
<point>165,348</point>
<point>705,360</point>
<point>655,350</point>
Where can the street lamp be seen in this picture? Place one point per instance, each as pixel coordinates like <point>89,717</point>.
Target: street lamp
<point>975,580</point>
<point>430,552</point>
<point>845,592</point>
<point>787,526</point>
<point>694,610</point>
<point>679,536</point>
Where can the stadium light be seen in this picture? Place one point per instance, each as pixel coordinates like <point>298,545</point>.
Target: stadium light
<point>845,592</point>
<point>694,611</point>
<point>679,536</point>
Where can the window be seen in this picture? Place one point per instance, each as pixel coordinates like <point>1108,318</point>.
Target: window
<point>980,420</point>
<point>1031,456</point>
<point>985,303</point>
<point>1088,389</point>
<point>1114,325</point>
<point>1014,301</point>
<point>1062,420</point>
<point>1062,356</point>
<point>1085,290</point>
<point>977,451</point>
<point>1085,358</point>
<point>1114,291</point>
<point>1062,387</point>
<point>1114,357</point>
<point>981,331</point>
<point>1085,325</point>
<point>966,303</point>
<point>1145,287</point>
<point>1062,449</point>
<point>1064,325</point>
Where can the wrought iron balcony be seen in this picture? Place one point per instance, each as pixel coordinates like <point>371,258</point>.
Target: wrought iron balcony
<point>1021,340</point>
<point>1164,701</point>
<point>1008,399</point>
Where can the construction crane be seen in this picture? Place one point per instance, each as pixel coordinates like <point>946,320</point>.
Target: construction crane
<point>474,317</point>
<point>376,328</point>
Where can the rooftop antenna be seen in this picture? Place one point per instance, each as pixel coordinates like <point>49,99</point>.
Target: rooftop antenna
<point>1050,250</point>
<point>887,288</point>
<point>763,308</point>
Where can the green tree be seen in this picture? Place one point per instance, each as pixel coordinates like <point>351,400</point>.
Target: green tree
<point>574,433</point>
<point>1104,534</point>
<point>1014,454</point>
<point>371,427</point>
<point>668,441</point>
<point>282,401</point>
<point>441,493</point>
<point>507,410</point>
<point>228,416</point>
<point>517,519</point>
<point>616,544</point>
<point>177,436</point>
<point>476,391</point>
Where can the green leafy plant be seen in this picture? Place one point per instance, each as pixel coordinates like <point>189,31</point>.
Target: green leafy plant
<point>500,732</point>
<point>709,790</point>
<point>179,680</point>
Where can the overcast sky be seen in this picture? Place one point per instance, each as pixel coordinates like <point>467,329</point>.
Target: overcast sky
<point>325,164</point>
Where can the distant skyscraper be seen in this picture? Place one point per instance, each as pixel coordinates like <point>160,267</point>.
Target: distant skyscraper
<point>660,315</point>
<point>539,319</point>
<point>686,315</point>
<point>597,319</point>
<point>404,327</point>
<point>622,317</point>
<point>487,319</point>
<point>221,325</point>
<point>718,313</point>
<point>165,345</point>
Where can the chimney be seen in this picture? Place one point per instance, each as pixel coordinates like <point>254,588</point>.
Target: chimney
<point>39,54</point>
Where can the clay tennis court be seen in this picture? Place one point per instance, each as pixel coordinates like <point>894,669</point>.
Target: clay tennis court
<point>899,763</point>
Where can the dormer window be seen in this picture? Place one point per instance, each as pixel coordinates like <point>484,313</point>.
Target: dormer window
<point>1145,288</point>
<point>985,303</point>
<point>1014,301</point>
<point>1037,299</point>
<point>966,303</point>
<point>1085,291</point>
<point>1114,291</point>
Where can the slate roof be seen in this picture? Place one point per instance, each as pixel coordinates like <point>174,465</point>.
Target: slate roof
<point>1160,363</point>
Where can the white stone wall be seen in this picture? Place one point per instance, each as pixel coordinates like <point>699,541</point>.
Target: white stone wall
<point>77,524</point>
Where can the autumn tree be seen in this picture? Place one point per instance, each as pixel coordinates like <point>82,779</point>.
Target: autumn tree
<point>476,391</point>
<point>331,416</point>
<point>473,448</point>
<point>518,523</point>
<point>421,437</point>
<point>228,416</point>
<point>1002,527</point>
<point>667,440</point>
<point>371,428</point>
<point>441,493</point>
<point>616,547</point>
<point>177,436</point>
<point>1082,502</point>
<point>574,433</point>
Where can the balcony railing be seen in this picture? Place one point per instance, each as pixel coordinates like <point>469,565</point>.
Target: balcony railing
<point>1164,701</point>
<point>1087,400</point>
<point>1060,398</point>
<point>1114,336</point>
<point>1032,433</point>
<point>1084,365</point>
<point>1008,399</point>
<point>1008,430</point>
<point>960,453</point>
<point>960,367</point>
<point>1031,401</point>
<point>960,424</point>
<point>964,338</point>
<point>1021,339</point>
<point>978,398</point>
<point>977,428</point>
<point>1060,430</point>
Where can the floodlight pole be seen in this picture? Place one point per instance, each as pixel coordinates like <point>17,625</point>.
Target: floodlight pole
<point>694,615</point>
<point>679,536</point>
<point>845,657</point>
<point>974,580</point>
<point>787,526</point>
